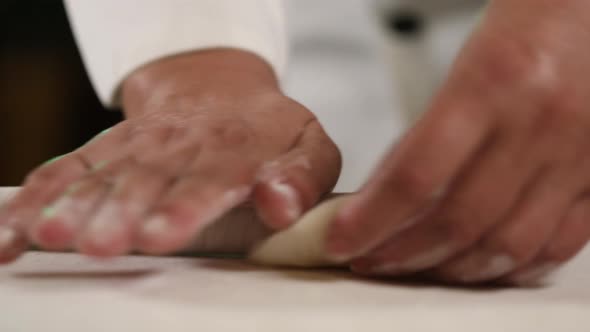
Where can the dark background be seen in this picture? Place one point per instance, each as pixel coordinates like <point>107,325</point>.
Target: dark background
<point>47,104</point>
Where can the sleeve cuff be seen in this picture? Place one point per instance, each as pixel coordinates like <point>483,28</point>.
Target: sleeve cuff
<point>117,37</point>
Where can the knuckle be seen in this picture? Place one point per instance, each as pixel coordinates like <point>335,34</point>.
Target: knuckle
<point>230,133</point>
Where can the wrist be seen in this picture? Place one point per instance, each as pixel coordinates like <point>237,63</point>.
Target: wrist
<point>197,79</point>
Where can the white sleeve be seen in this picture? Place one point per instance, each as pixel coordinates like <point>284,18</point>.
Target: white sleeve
<point>116,37</point>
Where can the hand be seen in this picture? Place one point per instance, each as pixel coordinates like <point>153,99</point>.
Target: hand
<point>204,132</point>
<point>493,182</point>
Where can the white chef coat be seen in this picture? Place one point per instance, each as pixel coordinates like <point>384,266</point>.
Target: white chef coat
<point>118,36</point>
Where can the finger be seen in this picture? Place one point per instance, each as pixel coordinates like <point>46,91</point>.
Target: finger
<point>295,182</point>
<point>109,231</point>
<point>12,244</point>
<point>571,237</point>
<point>519,237</point>
<point>482,196</point>
<point>112,230</point>
<point>146,145</point>
<point>62,220</point>
<point>40,188</point>
<point>104,147</point>
<point>409,179</point>
<point>213,187</point>
<point>43,185</point>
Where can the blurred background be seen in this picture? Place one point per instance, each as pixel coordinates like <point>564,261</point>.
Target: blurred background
<point>361,65</point>
<point>367,68</point>
<point>47,105</point>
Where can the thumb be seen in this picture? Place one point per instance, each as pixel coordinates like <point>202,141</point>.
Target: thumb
<point>293,183</point>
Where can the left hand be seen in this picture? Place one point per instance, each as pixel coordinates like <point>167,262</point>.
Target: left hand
<point>493,182</point>
<point>205,131</point>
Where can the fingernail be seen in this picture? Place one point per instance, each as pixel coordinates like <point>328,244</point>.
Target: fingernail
<point>106,223</point>
<point>293,209</point>
<point>426,259</point>
<point>536,275</point>
<point>156,226</point>
<point>7,238</point>
<point>418,262</point>
<point>494,268</point>
<point>236,196</point>
<point>341,250</point>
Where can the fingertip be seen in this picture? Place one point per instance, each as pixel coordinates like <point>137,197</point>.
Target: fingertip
<point>104,244</point>
<point>156,235</point>
<point>100,248</point>
<point>52,234</point>
<point>278,204</point>
<point>12,245</point>
<point>533,276</point>
<point>164,234</point>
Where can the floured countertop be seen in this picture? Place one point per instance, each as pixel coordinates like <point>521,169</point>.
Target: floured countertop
<point>68,292</point>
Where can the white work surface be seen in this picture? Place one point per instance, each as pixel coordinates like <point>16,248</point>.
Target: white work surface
<point>331,48</point>
<point>68,292</point>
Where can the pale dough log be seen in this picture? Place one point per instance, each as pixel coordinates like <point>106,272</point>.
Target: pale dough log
<point>302,244</point>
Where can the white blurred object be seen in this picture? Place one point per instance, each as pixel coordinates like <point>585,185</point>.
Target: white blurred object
<point>335,70</point>
<point>421,39</point>
<point>365,80</point>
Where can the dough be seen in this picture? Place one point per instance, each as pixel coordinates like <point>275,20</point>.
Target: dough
<point>302,244</point>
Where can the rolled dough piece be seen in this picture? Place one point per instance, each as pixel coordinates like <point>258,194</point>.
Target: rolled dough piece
<point>302,244</point>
